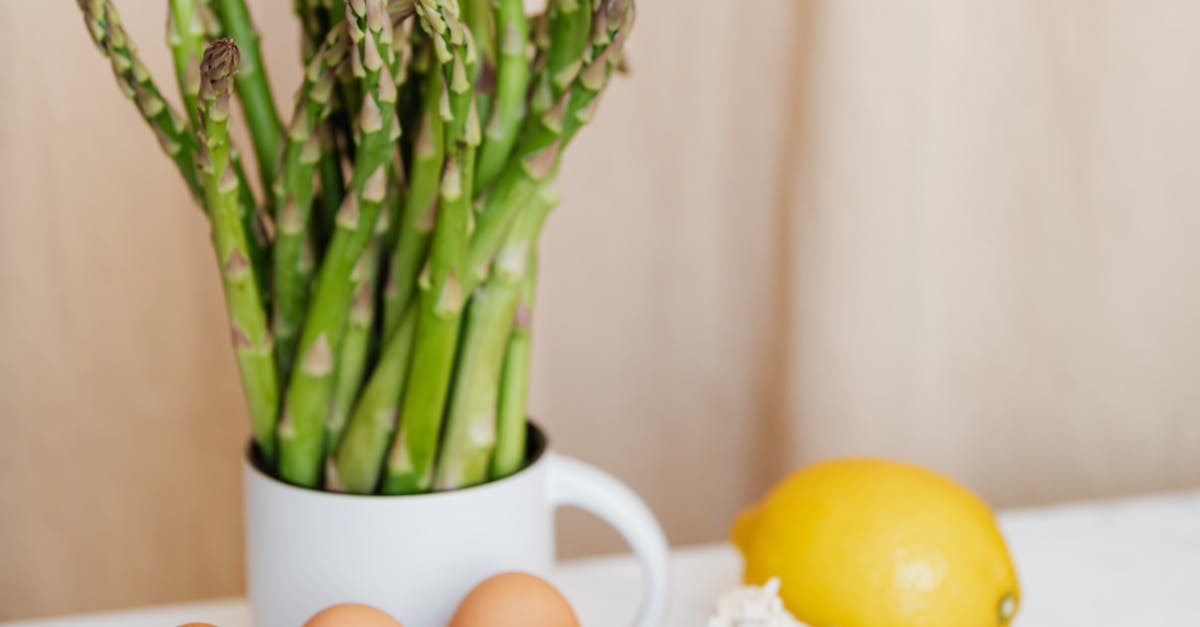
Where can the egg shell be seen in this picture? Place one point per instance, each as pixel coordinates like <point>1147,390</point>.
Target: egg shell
<point>514,600</point>
<point>351,615</point>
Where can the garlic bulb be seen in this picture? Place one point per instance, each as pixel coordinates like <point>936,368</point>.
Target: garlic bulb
<point>753,606</point>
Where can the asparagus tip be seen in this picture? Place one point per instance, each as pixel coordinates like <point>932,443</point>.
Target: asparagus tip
<point>219,65</point>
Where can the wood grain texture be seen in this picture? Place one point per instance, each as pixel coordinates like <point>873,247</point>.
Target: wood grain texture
<point>955,233</point>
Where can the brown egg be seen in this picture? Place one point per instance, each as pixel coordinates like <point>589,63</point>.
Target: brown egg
<point>197,625</point>
<point>514,600</point>
<point>351,615</point>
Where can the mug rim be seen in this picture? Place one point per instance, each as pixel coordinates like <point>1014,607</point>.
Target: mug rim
<point>536,449</point>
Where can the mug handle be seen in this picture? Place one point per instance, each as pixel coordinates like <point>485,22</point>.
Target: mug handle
<point>574,483</point>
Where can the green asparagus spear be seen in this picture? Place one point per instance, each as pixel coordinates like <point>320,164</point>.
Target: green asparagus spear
<point>357,462</point>
<point>537,154</point>
<point>570,27</point>
<point>512,81</point>
<point>317,23</point>
<point>302,428</point>
<point>480,17</point>
<point>608,40</point>
<point>441,298</point>
<point>471,425</point>
<point>440,303</point>
<point>416,222</point>
<point>294,193</point>
<point>350,99</point>
<point>190,23</point>
<point>104,25</point>
<point>611,24</point>
<point>253,89</point>
<point>511,428</point>
<point>566,27</point>
<point>251,339</point>
<point>356,343</point>
<point>330,171</point>
<point>509,455</point>
<point>188,27</point>
<point>535,161</point>
<point>330,166</point>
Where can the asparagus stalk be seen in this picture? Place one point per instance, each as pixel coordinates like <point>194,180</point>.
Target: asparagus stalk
<point>357,462</point>
<point>330,170</point>
<point>350,99</point>
<point>253,89</point>
<point>535,163</point>
<point>480,17</point>
<point>470,431</point>
<point>564,38</point>
<point>189,23</point>
<point>402,53</point>
<point>251,339</point>
<point>410,461</point>
<point>337,147</point>
<point>471,434</point>
<point>319,19</point>
<point>511,430</point>
<point>613,20</point>
<point>316,24</point>
<point>512,81</point>
<point>471,426</point>
<point>514,383</point>
<point>302,427</point>
<point>441,299</point>
<point>294,194</point>
<point>462,454</point>
<point>570,27</point>
<point>356,343</point>
<point>416,222</point>
<point>104,25</point>
<point>537,155</point>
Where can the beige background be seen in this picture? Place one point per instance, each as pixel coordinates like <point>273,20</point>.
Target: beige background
<point>956,232</point>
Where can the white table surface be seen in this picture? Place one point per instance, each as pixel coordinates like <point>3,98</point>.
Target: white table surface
<point>1126,563</point>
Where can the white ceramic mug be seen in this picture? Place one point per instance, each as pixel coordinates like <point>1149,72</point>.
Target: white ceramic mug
<point>416,557</point>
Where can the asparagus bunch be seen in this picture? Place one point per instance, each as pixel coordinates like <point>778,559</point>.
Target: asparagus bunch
<point>380,282</point>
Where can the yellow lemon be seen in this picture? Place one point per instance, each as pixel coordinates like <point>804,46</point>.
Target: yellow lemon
<point>874,543</point>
